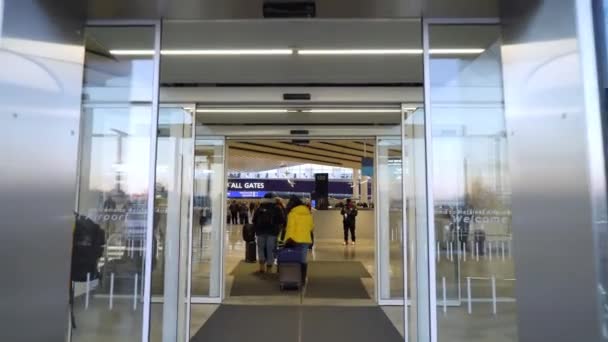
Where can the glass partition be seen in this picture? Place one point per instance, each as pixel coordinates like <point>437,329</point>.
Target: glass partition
<point>390,218</point>
<point>115,142</point>
<point>472,195</point>
<point>172,217</point>
<point>209,185</point>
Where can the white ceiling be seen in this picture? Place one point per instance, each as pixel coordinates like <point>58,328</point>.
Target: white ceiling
<point>262,155</point>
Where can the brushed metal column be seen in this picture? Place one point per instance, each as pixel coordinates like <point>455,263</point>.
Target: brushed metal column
<point>41,58</point>
<point>548,100</point>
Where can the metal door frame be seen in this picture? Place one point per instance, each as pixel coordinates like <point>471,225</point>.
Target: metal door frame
<point>228,133</point>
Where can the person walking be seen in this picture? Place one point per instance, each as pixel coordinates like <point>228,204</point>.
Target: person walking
<point>349,218</point>
<point>267,221</point>
<point>234,212</point>
<point>280,205</point>
<point>244,213</point>
<point>252,208</point>
<point>299,229</point>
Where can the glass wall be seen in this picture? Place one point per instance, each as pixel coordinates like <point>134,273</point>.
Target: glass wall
<point>114,173</point>
<point>472,195</point>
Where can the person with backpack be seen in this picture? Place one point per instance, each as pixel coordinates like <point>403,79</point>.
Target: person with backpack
<point>267,222</point>
<point>349,218</point>
<point>298,231</point>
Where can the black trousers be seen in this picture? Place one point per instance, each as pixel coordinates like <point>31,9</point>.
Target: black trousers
<point>234,217</point>
<point>244,218</point>
<point>351,228</point>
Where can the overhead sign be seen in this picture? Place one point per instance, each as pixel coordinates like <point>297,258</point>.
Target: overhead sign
<point>367,167</point>
<point>246,194</point>
<point>240,185</point>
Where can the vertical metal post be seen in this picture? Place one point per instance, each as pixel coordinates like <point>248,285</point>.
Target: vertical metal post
<point>190,228</point>
<point>445,296</point>
<point>86,298</point>
<point>469,304</point>
<point>147,277</point>
<point>135,289</point>
<point>404,227</point>
<point>377,271</point>
<point>224,198</point>
<point>438,251</point>
<point>493,281</point>
<point>431,301</point>
<point>111,303</point>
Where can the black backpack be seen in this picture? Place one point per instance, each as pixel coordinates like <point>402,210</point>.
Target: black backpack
<point>248,233</point>
<point>264,219</point>
<point>87,248</point>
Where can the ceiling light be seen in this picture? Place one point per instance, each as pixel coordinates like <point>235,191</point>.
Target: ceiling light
<point>361,52</point>
<point>456,51</point>
<point>353,110</point>
<point>285,52</point>
<point>132,52</point>
<point>244,110</point>
<point>224,52</point>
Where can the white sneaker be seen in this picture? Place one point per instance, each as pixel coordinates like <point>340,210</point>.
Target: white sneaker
<point>344,243</point>
<point>352,243</point>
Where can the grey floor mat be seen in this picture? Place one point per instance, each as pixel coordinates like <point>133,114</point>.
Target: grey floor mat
<point>339,288</point>
<point>336,279</point>
<point>247,283</point>
<point>352,324</point>
<point>237,323</point>
<point>338,269</point>
<point>326,279</point>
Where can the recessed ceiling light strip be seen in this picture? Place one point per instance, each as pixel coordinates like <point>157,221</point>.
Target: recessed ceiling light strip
<point>303,52</point>
<point>132,52</point>
<point>353,110</point>
<point>295,110</point>
<point>360,52</point>
<point>228,52</point>
<point>243,110</point>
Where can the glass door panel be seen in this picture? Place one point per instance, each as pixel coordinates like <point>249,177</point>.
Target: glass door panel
<point>174,170</point>
<point>207,219</point>
<point>390,218</point>
<point>472,195</point>
<point>114,181</point>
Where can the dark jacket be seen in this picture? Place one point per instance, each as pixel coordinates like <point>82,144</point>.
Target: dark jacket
<point>277,219</point>
<point>349,215</point>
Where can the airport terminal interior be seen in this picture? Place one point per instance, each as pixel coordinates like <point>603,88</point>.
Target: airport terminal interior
<point>324,117</point>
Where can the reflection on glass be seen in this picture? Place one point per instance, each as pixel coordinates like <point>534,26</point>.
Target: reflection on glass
<point>113,185</point>
<point>475,271</point>
<point>601,214</point>
<point>206,230</point>
<point>390,202</point>
<point>174,165</point>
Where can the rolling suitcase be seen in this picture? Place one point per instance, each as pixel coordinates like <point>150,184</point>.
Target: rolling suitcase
<point>250,251</point>
<point>290,268</point>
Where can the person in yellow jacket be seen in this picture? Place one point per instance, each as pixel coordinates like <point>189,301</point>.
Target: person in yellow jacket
<point>298,230</point>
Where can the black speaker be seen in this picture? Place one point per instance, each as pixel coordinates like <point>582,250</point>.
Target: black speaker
<point>322,185</point>
<point>289,9</point>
